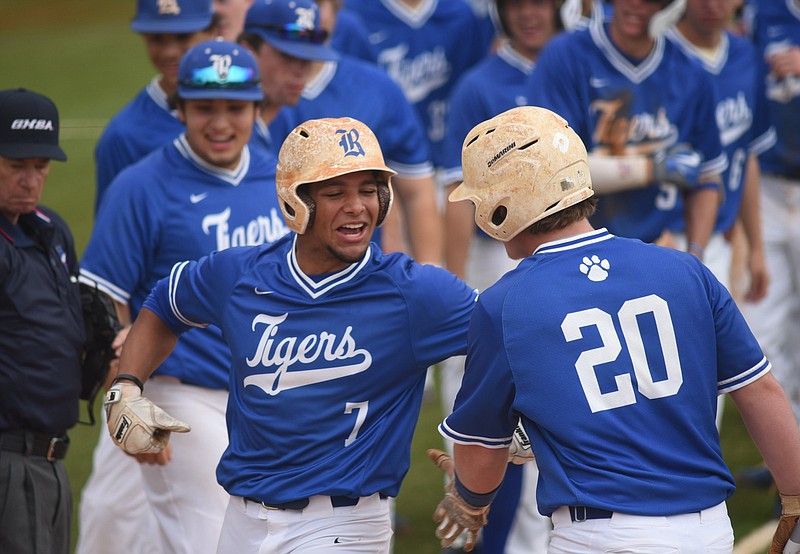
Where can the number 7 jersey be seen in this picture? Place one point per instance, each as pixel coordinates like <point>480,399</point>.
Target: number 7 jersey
<point>613,353</point>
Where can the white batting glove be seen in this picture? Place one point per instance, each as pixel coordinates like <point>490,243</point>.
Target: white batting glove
<point>453,513</point>
<point>520,450</point>
<point>787,531</point>
<point>136,424</point>
<point>678,165</point>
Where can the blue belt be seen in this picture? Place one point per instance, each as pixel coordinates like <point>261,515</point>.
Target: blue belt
<point>583,513</point>
<point>336,502</point>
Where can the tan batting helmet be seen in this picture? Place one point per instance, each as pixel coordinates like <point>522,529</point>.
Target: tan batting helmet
<point>522,166</point>
<point>321,149</point>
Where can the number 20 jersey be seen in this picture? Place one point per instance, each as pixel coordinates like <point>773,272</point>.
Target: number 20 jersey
<point>613,353</point>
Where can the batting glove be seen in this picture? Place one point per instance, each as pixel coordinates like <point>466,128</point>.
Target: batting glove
<point>678,165</point>
<point>786,539</point>
<point>453,514</point>
<point>136,424</point>
<point>520,450</point>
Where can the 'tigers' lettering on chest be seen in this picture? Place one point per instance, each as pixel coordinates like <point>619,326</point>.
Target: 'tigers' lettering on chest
<point>325,356</point>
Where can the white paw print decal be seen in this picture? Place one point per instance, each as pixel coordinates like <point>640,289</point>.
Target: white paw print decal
<point>595,268</point>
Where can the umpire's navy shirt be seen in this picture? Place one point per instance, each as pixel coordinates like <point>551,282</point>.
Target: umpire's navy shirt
<point>41,324</point>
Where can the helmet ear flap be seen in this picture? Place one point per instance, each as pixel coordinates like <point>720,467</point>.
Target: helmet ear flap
<point>311,206</point>
<point>385,198</point>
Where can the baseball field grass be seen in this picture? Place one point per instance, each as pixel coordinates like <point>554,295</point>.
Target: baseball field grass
<point>83,55</point>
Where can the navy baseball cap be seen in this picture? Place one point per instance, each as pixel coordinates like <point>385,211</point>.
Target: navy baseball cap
<point>28,126</point>
<point>172,16</point>
<point>291,26</point>
<point>218,69</point>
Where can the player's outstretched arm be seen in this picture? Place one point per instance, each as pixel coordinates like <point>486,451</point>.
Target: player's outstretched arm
<point>770,421</point>
<point>136,424</point>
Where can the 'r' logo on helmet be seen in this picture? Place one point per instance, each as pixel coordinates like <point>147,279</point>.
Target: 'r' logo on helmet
<point>349,142</point>
<point>168,7</point>
<point>221,63</point>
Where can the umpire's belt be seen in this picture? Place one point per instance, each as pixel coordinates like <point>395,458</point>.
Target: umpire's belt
<point>336,502</point>
<point>32,443</point>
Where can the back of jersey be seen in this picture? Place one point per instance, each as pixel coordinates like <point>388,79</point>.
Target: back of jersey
<point>617,351</point>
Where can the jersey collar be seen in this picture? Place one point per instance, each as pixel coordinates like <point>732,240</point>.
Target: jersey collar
<point>637,73</point>
<point>515,59</point>
<point>233,176</point>
<point>414,18</point>
<point>573,242</point>
<point>315,289</point>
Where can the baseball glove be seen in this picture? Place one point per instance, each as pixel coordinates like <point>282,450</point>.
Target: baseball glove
<point>100,326</point>
<point>787,536</point>
<point>453,514</point>
<point>136,424</point>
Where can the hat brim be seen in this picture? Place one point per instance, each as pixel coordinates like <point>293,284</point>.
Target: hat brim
<point>302,50</point>
<point>21,151</point>
<point>188,25</point>
<point>219,94</point>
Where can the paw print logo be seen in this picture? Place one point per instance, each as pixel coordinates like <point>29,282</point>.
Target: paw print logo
<point>595,268</point>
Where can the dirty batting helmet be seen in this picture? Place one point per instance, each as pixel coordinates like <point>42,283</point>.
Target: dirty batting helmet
<point>321,149</point>
<point>520,167</point>
<point>218,69</point>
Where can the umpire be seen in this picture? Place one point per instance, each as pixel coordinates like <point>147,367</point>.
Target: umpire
<point>42,333</point>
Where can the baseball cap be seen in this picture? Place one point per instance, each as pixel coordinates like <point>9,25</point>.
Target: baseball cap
<point>291,26</point>
<point>219,69</point>
<point>28,126</point>
<point>172,16</point>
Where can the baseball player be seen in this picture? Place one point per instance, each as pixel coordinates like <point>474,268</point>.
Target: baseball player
<point>653,139</point>
<point>205,191</point>
<point>745,131</point>
<point>330,342</point>
<point>146,123</point>
<point>423,46</point>
<point>285,37</point>
<point>169,28</point>
<point>493,86</point>
<point>612,352</point>
<point>358,89</point>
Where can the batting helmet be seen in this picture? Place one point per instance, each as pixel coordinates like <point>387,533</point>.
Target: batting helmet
<point>321,149</point>
<point>218,69</point>
<point>522,166</point>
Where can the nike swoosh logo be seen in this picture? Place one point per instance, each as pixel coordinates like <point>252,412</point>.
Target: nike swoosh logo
<point>262,292</point>
<point>595,82</point>
<point>376,37</point>
<point>195,198</point>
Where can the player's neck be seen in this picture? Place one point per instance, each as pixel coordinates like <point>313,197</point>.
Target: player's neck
<point>700,36</point>
<point>268,112</point>
<point>527,243</point>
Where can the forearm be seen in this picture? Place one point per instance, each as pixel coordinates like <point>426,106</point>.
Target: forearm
<point>700,216</point>
<point>750,208</point>
<point>148,344</point>
<point>423,221</point>
<point>459,229</point>
<point>480,469</point>
<point>617,173</point>
<point>770,421</point>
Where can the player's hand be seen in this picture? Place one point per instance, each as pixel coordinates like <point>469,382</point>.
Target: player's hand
<point>759,277</point>
<point>787,536</point>
<point>678,165</point>
<point>453,514</point>
<point>136,424</point>
<point>520,450</point>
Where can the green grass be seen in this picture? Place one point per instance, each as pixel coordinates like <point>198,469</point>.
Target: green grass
<point>82,54</point>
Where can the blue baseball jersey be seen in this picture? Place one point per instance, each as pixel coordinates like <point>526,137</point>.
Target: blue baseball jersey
<point>620,106</point>
<point>173,206</point>
<point>776,27</point>
<point>143,125</point>
<point>496,84</point>
<point>327,371</point>
<point>351,37</point>
<point>615,375</point>
<point>741,113</point>
<point>425,50</point>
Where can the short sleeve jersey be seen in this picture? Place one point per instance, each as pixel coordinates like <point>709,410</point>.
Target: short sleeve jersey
<point>612,352</point>
<point>337,361</point>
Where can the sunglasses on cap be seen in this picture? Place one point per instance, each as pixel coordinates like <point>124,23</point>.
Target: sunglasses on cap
<point>208,77</point>
<point>292,31</point>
